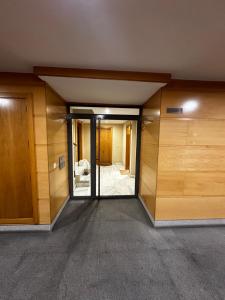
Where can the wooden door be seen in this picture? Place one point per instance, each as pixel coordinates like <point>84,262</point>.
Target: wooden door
<point>16,158</point>
<point>127,165</point>
<point>105,146</point>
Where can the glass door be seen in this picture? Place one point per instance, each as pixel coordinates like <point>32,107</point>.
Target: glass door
<point>103,155</point>
<point>116,144</point>
<point>81,157</point>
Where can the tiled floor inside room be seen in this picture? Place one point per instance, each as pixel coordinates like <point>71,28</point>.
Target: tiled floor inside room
<point>109,250</point>
<point>113,183</point>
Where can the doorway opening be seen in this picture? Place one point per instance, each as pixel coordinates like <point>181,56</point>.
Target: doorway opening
<point>103,153</point>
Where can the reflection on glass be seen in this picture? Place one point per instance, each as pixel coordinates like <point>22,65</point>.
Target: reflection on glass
<point>81,157</point>
<point>116,142</point>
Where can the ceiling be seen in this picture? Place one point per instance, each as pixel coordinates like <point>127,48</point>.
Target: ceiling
<point>185,38</point>
<point>102,91</point>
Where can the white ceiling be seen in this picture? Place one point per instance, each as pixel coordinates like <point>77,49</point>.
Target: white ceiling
<point>185,38</point>
<point>102,91</point>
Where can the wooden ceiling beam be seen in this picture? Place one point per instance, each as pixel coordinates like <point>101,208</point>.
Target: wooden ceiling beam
<point>102,74</point>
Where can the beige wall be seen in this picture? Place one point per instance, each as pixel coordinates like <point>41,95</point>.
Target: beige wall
<point>133,145</point>
<point>86,144</point>
<point>124,145</point>
<point>117,141</point>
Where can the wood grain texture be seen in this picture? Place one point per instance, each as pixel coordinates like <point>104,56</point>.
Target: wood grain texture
<point>17,160</point>
<point>191,166</point>
<point>209,105</point>
<point>103,74</point>
<point>184,183</point>
<point>190,208</point>
<point>23,87</point>
<point>57,146</point>
<point>105,158</point>
<point>42,158</point>
<point>192,132</point>
<point>192,158</point>
<point>149,151</point>
<point>17,79</point>
<point>44,211</point>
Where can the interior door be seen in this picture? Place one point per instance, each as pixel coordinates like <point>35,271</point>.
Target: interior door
<point>104,158</point>
<point>16,198</point>
<point>115,154</point>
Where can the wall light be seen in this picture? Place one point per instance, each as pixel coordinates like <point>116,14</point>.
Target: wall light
<point>4,102</point>
<point>107,110</point>
<point>190,105</point>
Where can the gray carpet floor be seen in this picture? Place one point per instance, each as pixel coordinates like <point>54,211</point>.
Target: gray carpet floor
<point>109,251</point>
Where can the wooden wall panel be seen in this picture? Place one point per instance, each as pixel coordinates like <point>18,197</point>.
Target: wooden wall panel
<point>191,165</point>
<point>192,158</point>
<point>16,158</point>
<point>199,132</point>
<point>149,151</point>
<point>210,105</point>
<point>39,104</point>
<point>191,183</point>
<point>35,89</point>
<point>57,146</point>
<point>50,141</point>
<point>187,208</point>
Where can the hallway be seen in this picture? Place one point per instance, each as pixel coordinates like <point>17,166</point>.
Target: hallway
<point>110,251</point>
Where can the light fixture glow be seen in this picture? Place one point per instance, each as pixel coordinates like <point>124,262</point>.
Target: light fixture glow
<point>190,105</point>
<point>4,102</point>
<point>107,110</point>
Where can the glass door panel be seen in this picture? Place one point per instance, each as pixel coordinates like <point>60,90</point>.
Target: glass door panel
<point>116,142</point>
<point>81,157</point>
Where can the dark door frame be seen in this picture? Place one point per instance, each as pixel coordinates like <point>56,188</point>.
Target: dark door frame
<point>93,119</point>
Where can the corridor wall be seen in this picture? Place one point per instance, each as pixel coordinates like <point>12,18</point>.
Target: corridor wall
<point>189,171</point>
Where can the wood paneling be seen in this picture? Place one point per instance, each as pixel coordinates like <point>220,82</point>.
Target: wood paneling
<point>18,79</point>
<point>31,87</point>
<point>57,146</point>
<point>192,158</point>
<point>187,208</point>
<point>40,130</point>
<point>191,166</point>
<point>149,151</point>
<point>192,132</point>
<point>41,158</point>
<point>191,183</point>
<point>209,105</point>
<point>44,211</point>
<point>17,160</point>
<point>103,74</point>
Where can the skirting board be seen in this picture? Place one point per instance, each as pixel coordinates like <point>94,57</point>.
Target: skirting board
<point>181,223</point>
<point>38,227</point>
